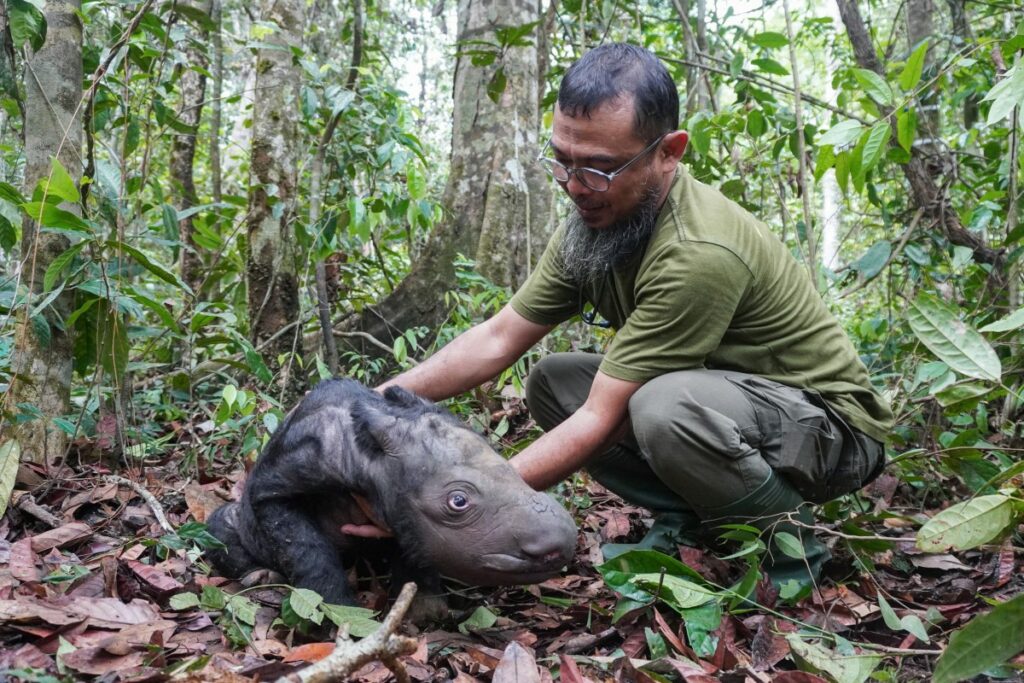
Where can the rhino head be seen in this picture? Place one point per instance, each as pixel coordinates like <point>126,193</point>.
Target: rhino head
<point>453,503</point>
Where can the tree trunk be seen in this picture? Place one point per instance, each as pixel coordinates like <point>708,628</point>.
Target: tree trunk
<point>496,198</point>
<point>216,14</point>
<point>921,27</point>
<point>923,189</point>
<point>271,260</point>
<point>42,359</point>
<point>964,36</point>
<point>183,151</point>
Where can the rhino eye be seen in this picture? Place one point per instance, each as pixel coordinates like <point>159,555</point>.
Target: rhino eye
<point>458,501</point>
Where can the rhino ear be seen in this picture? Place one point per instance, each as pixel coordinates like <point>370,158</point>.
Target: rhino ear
<point>375,430</point>
<point>405,398</point>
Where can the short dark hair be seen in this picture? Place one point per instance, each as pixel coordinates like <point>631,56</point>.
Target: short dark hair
<point>616,70</point>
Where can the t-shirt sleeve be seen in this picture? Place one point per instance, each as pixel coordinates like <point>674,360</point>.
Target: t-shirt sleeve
<point>685,302</point>
<point>547,297</point>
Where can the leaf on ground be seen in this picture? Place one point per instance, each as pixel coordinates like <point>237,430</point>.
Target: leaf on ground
<point>570,671</point>
<point>97,661</point>
<point>848,669</point>
<point>23,561</point>
<point>154,576</point>
<point>310,652</point>
<point>952,340</point>
<point>967,524</point>
<point>985,642</point>
<point>517,665</point>
<point>61,536</point>
<point>10,456</point>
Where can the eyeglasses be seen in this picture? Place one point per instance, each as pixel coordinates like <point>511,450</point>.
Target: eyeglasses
<point>591,178</point>
<point>590,317</point>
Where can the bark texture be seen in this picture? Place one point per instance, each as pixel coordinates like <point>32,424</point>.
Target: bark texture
<point>192,85</point>
<point>496,198</point>
<point>271,260</point>
<point>43,350</point>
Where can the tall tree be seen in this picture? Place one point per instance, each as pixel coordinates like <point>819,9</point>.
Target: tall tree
<point>496,198</point>
<point>273,294</point>
<point>192,85</point>
<point>42,360</point>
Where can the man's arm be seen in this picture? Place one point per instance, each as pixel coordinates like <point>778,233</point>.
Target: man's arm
<point>599,423</point>
<point>475,356</point>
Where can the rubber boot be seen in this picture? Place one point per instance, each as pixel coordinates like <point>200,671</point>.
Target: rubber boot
<point>772,501</point>
<point>669,530</point>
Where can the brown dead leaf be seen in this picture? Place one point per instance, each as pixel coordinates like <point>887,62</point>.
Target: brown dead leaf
<point>767,647</point>
<point>517,665</point>
<point>154,576</point>
<point>94,495</point>
<point>940,562</point>
<point>310,652</point>
<point>270,647</point>
<point>30,609</point>
<point>201,501</point>
<point>570,671</point>
<point>23,561</point>
<point>486,656</point>
<point>668,634</point>
<point>61,536</point>
<point>616,525</point>
<point>97,662</point>
<point>27,656</point>
<point>1005,567</point>
<point>690,672</point>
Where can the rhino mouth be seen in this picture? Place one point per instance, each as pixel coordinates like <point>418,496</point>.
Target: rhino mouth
<point>522,568</point>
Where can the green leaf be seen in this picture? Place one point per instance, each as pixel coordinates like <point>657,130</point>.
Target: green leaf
<point>49,216</point>
<point>889,614</point>
<point>10,458</point>
<point>985,642</point>
<point>841,134</point>
<point>1007,94</point>
<point>770,66</point>
<point>253,358</point>
<point>8,234</point>
<point>360,620</point>
<point>967,525</point>
<point>27,24</point>
<point>10,193</point>
<point>182,601</point>
<point>952,340</point>
<point>678,593</point>
<point>58,264</point>
<point>906,128</point>
<point>874,147</point>
<point>874,85</point>
<point>305,602</point>
<point>213,598</point>
<point>769,40</point>
<point>848,669</point>
<point>481,618</point>
<point>756,123</point>
<point>497,84</point>
<point>61,184</point>
<point>960,392</point>
<point>915,64</point>
<point>243,609</point>
<point>789,544</point>
<point>874,259</point>
<point>159,309</point>
<point>155,268</point>
<point>1014,321</point>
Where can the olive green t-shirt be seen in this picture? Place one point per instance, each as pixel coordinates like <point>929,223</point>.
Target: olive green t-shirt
<point>714,288</point>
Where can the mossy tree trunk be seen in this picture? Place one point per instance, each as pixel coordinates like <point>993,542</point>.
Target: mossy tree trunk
<point>273,294</point>
<point>43,350</point>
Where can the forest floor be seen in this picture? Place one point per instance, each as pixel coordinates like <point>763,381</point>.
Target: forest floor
<point>89,574</point>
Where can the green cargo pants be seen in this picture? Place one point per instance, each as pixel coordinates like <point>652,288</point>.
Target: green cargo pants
<point>704,441</point>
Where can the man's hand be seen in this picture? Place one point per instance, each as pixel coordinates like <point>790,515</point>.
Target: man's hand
<point>366,531</point>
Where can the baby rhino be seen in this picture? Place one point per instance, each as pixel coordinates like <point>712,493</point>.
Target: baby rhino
<point>346,454</point>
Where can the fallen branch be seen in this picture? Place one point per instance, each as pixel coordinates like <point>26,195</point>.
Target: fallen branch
<point>150,499</point>
<point>349,656</point>
<point>27,504</point>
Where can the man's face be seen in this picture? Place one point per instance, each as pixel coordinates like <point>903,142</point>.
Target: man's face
<point>605,141</point>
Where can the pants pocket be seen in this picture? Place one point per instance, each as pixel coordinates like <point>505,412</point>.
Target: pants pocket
<point>798,439</point>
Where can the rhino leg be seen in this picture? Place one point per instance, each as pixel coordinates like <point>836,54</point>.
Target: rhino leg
<point>233,560</point>
<point>299,549</point>
<point>430,605</point>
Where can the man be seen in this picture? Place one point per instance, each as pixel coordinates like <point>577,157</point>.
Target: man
<point>729,393</point>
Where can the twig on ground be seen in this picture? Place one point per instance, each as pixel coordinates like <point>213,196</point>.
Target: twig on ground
<point>150,499</point>
<point>348,656</point>
<point>27,504</point>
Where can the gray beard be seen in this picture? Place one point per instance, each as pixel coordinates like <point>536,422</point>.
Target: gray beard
<point>587,254</point>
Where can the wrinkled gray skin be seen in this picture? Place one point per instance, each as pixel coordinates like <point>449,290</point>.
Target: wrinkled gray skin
<point>455,506</point>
